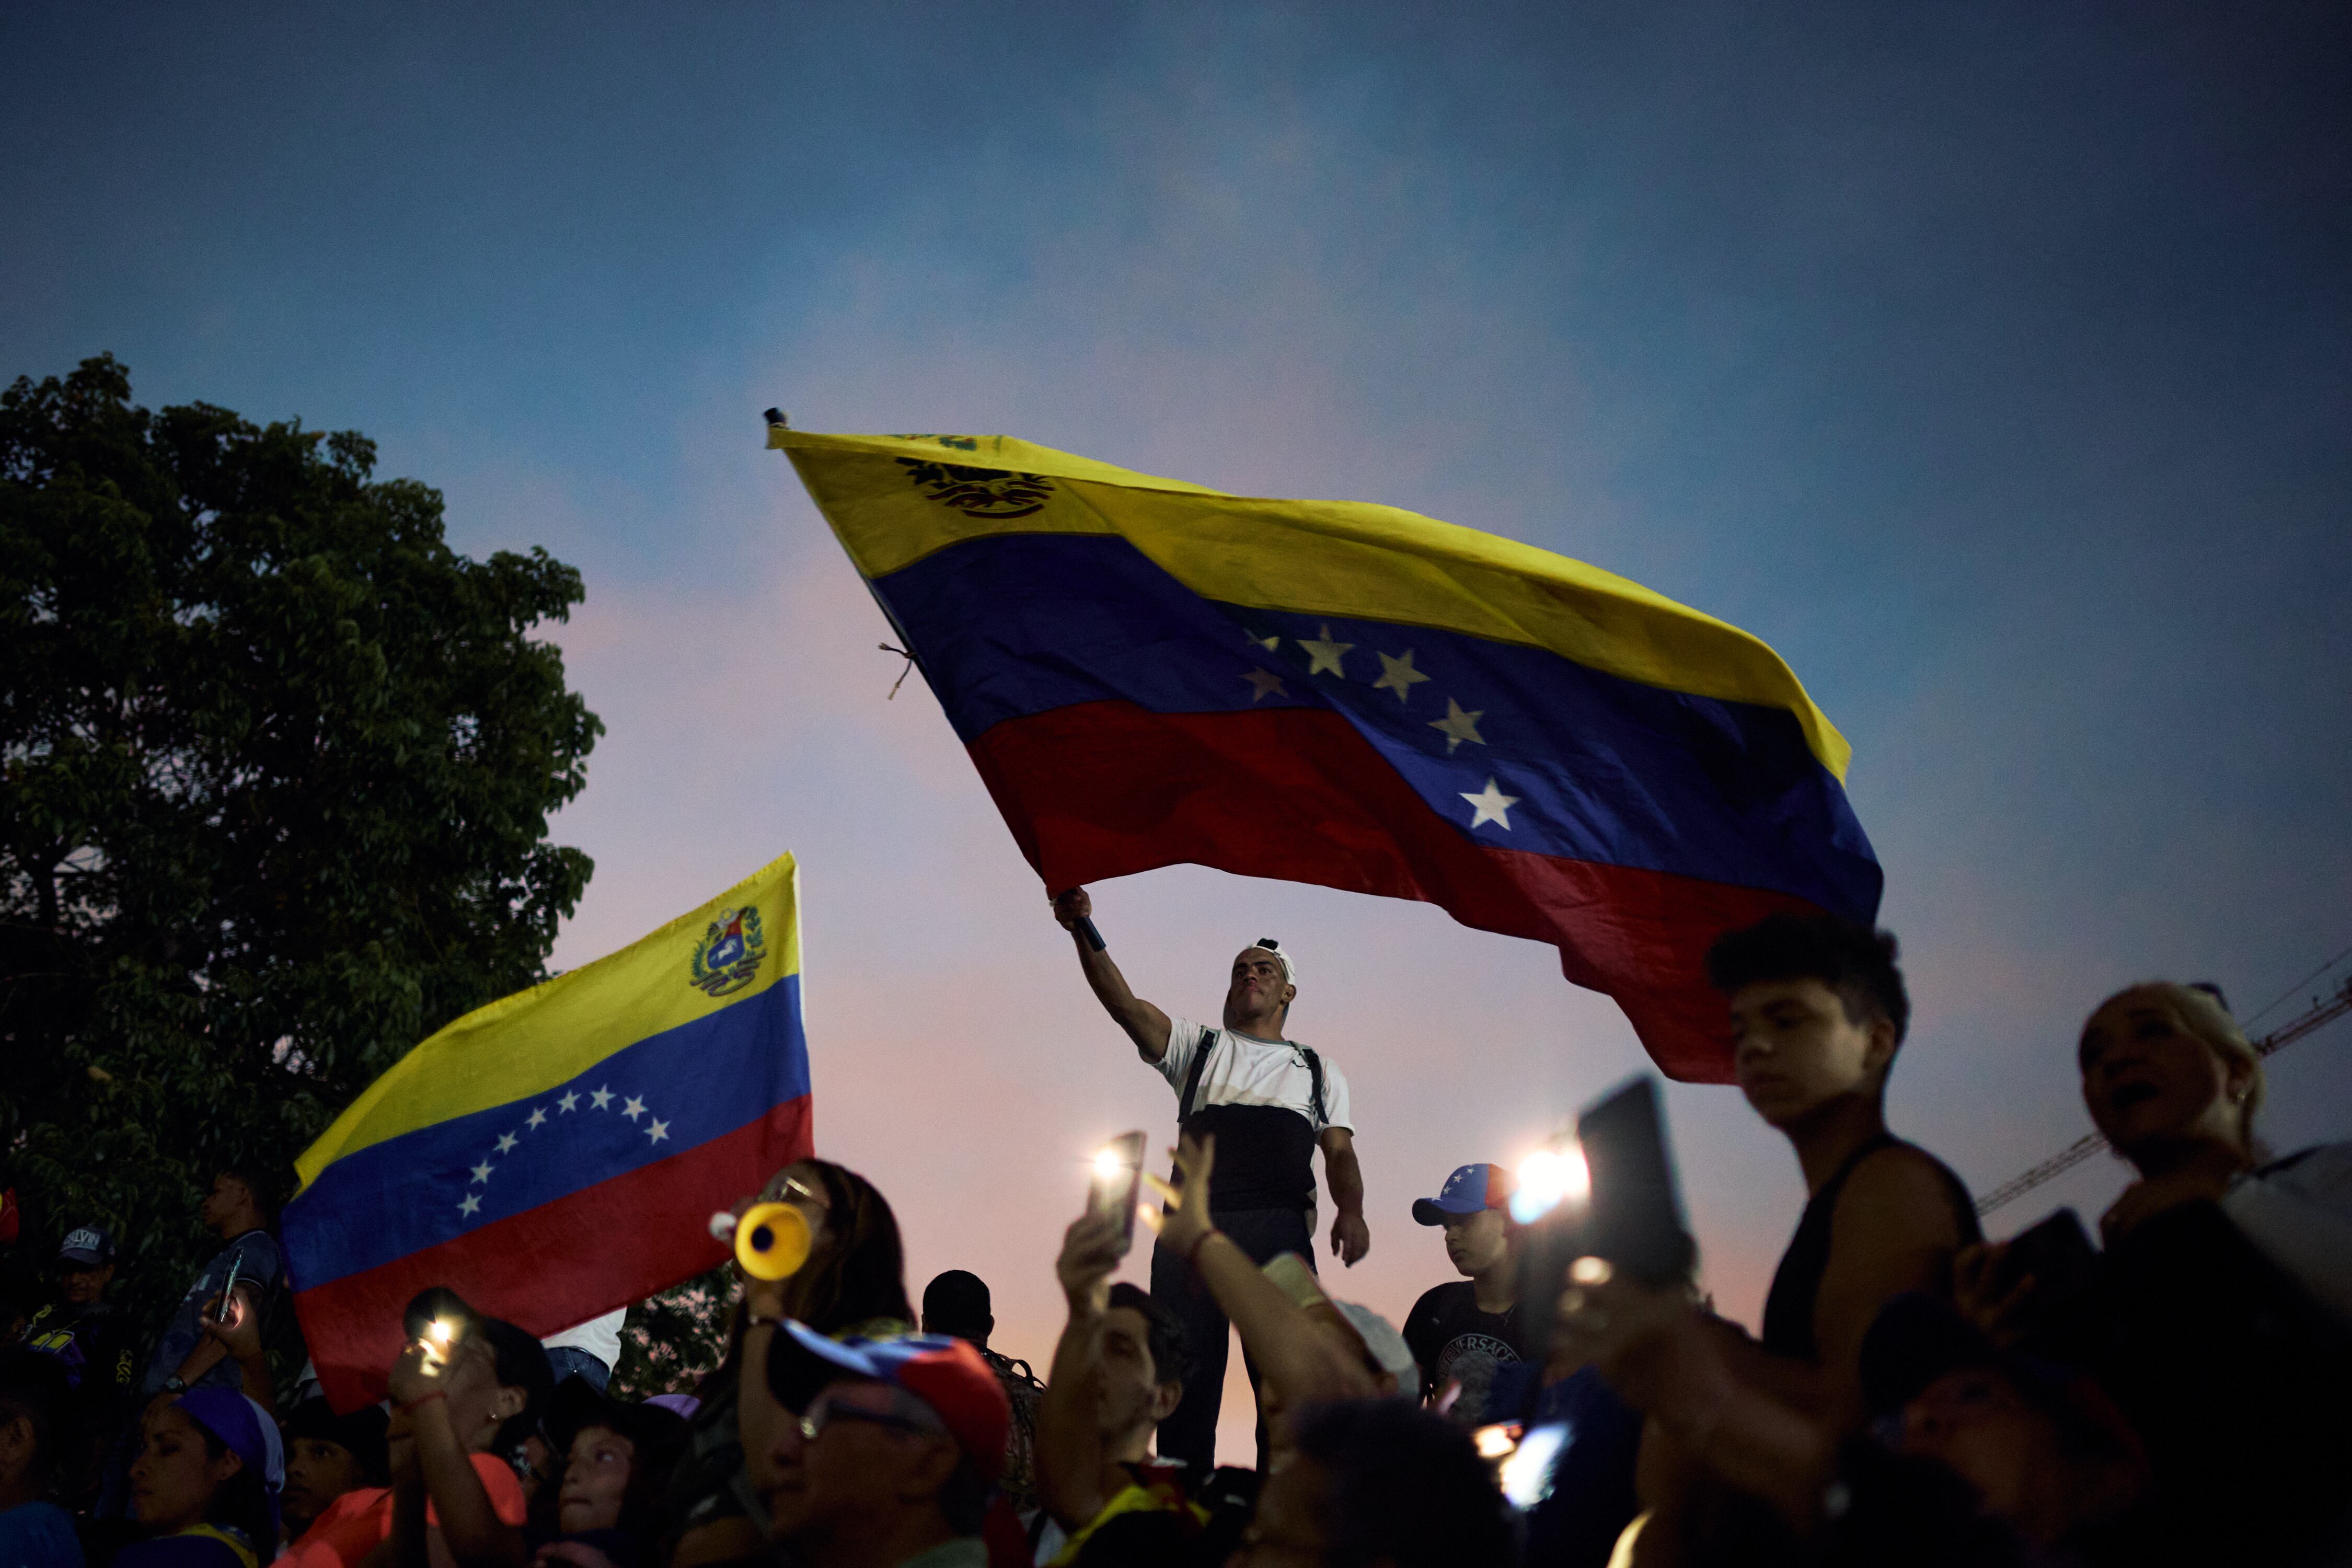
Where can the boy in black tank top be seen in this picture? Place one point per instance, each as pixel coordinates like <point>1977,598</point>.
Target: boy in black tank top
<point>1818,1009</point>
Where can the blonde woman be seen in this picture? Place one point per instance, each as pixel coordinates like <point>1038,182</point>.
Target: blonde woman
<point>2173,1083</point>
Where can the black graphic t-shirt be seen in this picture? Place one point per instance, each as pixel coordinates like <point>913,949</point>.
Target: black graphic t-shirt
<point>1454,1341</point>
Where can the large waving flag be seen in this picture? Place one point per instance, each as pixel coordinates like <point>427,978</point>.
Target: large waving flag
<point>559,1153</point>
<point>1148,672</point>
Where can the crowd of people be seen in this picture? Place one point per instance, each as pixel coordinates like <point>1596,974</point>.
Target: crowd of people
<point>2168,1391</point>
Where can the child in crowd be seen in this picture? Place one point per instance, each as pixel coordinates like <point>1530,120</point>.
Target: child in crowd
<point>613,1477</point>
<point>329,1456</point>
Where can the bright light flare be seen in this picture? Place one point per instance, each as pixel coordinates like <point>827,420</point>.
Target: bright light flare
<point>441,1331</point>
<point>1526,1475</point>
<point>1108,1166</point>
<point>1591,1271</point>
<point>1549,1177</point>
<point>1495,1442</point>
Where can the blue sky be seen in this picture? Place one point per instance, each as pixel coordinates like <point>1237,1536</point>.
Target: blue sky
<point>1993,363</point>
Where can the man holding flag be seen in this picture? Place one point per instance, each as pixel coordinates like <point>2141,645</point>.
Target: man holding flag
<point>1269,1102</point>
<point>1148,672</point>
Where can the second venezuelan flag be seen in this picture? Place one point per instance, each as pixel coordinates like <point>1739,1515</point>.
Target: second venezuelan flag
<point>1148,672</point>
<point>560,1152</point>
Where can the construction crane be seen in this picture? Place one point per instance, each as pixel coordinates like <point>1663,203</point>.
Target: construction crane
<point>2324,1011</point>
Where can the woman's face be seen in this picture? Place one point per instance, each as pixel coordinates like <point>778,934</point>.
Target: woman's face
<point>595,1481</point>
<point>2151,1083</point>
<point>173,1478</point>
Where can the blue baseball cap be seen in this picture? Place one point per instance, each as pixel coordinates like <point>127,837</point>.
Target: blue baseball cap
<point>1469,1189</point>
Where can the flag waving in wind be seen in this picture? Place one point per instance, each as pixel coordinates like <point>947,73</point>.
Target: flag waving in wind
<point>1148,672</point>
<point>559,1153</point>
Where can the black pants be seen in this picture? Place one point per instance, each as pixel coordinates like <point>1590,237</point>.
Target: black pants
<point>1191,1434</point>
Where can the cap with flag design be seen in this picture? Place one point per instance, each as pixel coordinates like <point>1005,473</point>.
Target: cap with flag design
<point>943,1372</point>
<point>1469,1189</point>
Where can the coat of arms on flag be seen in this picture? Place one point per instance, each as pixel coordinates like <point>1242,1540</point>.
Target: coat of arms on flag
<point>728,957</point>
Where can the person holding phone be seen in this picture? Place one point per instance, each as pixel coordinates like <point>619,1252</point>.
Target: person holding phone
<point>1117,1373</point>
<point>237,1210</point>
<point>1270,1103</point>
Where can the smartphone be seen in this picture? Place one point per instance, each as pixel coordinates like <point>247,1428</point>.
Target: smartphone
<point>1631,1213</point>
<point>1118,1181</point>
<point>228,1287</point>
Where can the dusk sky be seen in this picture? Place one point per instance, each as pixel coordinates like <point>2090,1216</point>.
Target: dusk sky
<point>1992,362</point>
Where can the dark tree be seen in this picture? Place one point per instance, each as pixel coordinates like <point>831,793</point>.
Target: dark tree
<point>275,766</point>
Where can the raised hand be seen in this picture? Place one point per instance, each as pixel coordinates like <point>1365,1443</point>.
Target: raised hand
<point>1091,1249</point>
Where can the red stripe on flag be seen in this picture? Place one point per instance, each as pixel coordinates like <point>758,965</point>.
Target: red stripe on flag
<point>558,1264</point>
<point>1106,789</point>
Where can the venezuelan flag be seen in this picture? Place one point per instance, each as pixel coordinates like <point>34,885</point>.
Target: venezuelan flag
<point>559,1153</point>
<point>1148,672</point>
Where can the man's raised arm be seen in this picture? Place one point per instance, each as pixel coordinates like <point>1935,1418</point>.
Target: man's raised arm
<point>1146,1025</point>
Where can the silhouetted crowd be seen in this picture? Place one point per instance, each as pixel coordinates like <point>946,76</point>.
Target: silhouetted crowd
<point>2170,1385</point>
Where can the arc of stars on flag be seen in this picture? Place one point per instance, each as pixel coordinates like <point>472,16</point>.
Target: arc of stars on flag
<point>1326,656</point>
<point>656,1131</point>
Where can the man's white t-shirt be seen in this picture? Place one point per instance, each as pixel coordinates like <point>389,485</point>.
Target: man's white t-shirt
<point>599,1336</point>
<point>1246,1071</point>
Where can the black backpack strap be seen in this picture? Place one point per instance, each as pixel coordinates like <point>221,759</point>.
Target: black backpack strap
<point>1193,1078</point>
<point>1315,1073</point>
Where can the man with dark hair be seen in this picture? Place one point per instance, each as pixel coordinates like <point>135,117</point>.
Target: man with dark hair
<point>88,1338</point>
<point>237,1212</point>
<point>891,1461</point>
<point>1269,1102</point>
<point>1119,1370</point>
<point>1818,1010</point>
<point>34,1394</point>
<point>957,1304</point>
<point>1380,1480</point>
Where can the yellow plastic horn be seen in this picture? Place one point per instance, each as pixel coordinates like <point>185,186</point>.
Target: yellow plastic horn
<point>771,1241</point>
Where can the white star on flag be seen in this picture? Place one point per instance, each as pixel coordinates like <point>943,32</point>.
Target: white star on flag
<point>481,1173</point>
<point>570,1101</point>
<point>1458,726</point>
<point>1269,644</point>
<point>1397,675</point>
<point>1266,682</point>
<point>506,1143</point>
<point>538,1117</point>
<point>634,1108</point>
<point>1323,654</point>
<point>659,1131</point>
<point>1492,805</point>
<point>602,1097</point>
<point>471,1205</point>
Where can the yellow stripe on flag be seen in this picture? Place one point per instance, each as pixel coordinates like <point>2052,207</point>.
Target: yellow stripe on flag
<point>1341,559</point>
<point>525,1044</point>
